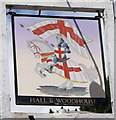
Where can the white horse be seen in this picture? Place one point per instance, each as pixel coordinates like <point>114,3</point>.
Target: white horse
<point>44,51</point>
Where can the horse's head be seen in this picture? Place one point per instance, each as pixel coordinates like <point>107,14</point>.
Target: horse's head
<point>34,48</point>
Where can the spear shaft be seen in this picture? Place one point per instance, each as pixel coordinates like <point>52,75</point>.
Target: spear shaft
<point>89,52</point>
<point>87,48</point>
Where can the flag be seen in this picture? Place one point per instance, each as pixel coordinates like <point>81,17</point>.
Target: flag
<point>70,71</point>
<point>45,29</point>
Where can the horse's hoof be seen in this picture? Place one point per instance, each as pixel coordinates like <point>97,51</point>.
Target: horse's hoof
<point>87,90</point>
<point>61,88</point>
<point>69,89</point>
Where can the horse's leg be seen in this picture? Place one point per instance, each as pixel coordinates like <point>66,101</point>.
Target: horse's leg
<point>39,70</point>
<point>38,67</point>
<point>70,85</point>
<point>64,85</point>
<point>42,70</point>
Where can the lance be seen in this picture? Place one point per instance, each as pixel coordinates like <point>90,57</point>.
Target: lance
<point>95,64</point>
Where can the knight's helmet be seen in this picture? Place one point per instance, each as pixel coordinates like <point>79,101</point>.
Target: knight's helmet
<point>59,38</point>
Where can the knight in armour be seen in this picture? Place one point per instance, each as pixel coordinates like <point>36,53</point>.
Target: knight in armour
<point>62,45</point>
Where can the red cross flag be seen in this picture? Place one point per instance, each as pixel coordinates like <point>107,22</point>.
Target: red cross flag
<point>45,29</point>
<point>70,71</point>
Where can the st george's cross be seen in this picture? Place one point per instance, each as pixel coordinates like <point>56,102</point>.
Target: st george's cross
<point>66,68</point>
<point>47,28</point>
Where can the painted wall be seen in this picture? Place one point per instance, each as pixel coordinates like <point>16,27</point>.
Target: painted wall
<point>5,111</point>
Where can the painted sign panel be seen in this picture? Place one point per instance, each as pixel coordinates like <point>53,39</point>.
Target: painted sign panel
<point>58,60</point>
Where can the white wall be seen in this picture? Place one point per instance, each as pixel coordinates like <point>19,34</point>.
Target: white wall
<point>4,77</point>
<point>115,52</point>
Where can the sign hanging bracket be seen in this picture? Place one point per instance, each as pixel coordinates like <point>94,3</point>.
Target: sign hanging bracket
<point>39,13</point>
<point>99,14</point>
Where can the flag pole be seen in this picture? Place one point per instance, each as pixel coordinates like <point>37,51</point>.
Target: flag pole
<point>87,49</point>
<point>89,52</point>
